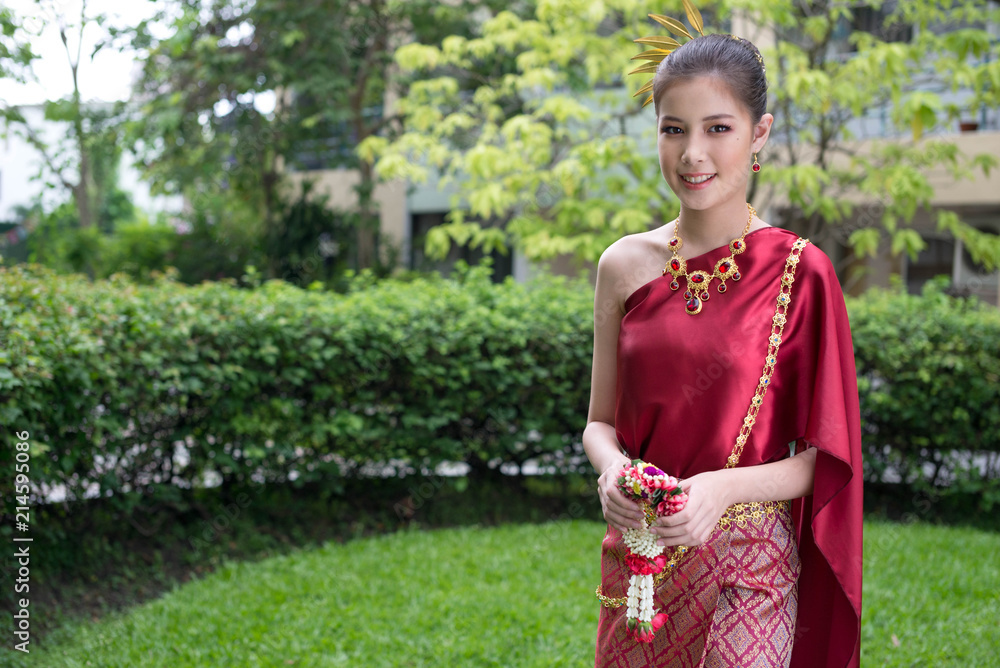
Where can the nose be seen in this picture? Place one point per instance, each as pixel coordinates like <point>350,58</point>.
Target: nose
<point>693,153</point>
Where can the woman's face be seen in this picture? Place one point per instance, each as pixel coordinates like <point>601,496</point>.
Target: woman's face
<point>704,132</point>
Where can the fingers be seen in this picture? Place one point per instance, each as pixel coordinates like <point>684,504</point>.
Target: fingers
<point>682,529</point>
<point>622,516</point>
<point>672,526</point>
<point>677,519</point>
<point>621,513</point>
<point>621,522</point>
<point>689,538</point>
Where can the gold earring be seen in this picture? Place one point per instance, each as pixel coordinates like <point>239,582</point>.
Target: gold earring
<point>756,165</point>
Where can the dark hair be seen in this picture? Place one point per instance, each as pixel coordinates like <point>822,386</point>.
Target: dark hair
<point>735,61</point>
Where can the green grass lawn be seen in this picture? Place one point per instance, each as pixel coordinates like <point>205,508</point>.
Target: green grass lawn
<point>931,596</point>
<point>517,595</point>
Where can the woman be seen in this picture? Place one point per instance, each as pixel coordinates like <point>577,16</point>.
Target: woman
<point>775,580</point>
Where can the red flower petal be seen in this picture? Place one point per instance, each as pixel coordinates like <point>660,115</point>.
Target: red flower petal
<point>661,563</point>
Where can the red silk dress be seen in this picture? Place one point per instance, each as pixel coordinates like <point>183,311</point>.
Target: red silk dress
<point>684,387</point>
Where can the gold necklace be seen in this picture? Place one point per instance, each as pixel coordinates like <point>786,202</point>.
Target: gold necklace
<point>699,281</point>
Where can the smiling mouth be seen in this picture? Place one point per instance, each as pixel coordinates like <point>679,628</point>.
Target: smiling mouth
<point>697,179</point>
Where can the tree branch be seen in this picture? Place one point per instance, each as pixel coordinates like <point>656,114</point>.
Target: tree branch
<point>36,141</point>
<point>79,43</point>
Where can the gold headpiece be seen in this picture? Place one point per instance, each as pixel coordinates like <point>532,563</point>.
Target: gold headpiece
<point>666,45</point>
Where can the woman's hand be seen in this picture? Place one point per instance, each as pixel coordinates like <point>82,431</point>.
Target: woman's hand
<point>620,511</point>
<point>708,498</point>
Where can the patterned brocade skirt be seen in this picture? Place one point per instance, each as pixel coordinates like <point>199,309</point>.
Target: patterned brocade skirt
<point>731,602</point>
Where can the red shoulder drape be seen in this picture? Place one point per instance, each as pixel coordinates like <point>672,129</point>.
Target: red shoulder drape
<point>684,386</point>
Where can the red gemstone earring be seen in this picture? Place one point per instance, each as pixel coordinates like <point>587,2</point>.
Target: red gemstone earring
<point>756,165</point>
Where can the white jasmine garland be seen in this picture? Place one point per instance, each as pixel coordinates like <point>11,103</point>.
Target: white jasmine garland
<point>655,490</point>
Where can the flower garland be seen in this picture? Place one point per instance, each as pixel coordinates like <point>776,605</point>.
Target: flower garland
<point>658,494</point>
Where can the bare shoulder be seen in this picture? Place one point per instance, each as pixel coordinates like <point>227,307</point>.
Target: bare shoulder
<point>630,262</point>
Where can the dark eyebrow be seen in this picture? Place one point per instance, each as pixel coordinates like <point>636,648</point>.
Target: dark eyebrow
<point>713,117</point>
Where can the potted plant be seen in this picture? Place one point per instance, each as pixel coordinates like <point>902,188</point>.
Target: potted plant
<point>964,115</point>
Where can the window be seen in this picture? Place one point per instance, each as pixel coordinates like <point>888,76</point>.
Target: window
<point>330,143</point>
<point>937,258</point>
<point>421,225</point>
<point>872,20</point>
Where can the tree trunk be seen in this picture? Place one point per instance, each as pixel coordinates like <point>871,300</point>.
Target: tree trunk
<point>81,198</point>
<point>368,218</point>
<point>82,190</point>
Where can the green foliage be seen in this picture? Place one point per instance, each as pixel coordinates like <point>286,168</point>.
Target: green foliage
<point>539,159</point>
<point>58,241</point>
<point>223,161</point>
<point>83,162</point>
<point>206,127</point>
<point>929,379</point>
<point>983,247</point>
<point>531,124</point>
<point>310,242</point>
<point>15,52</point>
<point>279,379</point>
<point>223,237</point>
<point>820,84</point>
<point>123,241</point>
<point>457,597</point>
<point>138,249</point>
<point>81,156</point>
<point>408,374</point>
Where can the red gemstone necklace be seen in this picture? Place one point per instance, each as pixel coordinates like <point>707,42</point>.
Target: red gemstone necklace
<point>699,281</point>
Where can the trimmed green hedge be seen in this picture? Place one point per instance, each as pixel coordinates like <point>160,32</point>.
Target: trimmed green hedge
<point>259,382</point>
<point>929,381</point>
<point>107,376</point>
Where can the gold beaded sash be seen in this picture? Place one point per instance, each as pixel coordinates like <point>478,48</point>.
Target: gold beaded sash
<point>755,511</point>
